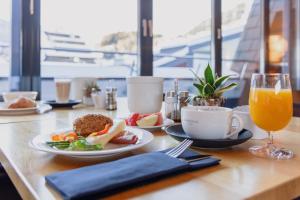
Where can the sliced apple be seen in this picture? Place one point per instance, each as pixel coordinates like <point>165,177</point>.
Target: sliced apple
<point>147,121</point>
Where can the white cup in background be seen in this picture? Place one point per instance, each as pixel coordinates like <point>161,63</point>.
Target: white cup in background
<point>62,87</point>
<point>243,112</point>
<point>145,94</point>
<point>210,122</point>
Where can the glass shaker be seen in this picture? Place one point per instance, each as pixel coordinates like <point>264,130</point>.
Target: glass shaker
<point>183,99</point>
<point>169,103</point>
<point>111,98</point>
<point>171,106</point>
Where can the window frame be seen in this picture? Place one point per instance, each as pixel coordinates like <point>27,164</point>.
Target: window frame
<point>26,66</point>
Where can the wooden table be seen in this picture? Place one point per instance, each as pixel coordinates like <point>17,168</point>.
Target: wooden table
<point>240,175</point>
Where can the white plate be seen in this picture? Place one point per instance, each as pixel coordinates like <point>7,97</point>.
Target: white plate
<point>166,122</point>
<point>39,143</point>
<point>18,111</point>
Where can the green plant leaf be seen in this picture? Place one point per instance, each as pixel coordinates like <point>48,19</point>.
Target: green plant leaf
<point>208,75</point>
<point>197,77</point>
<point>199,87</point>
<point>208,90</point>
<point>226,88</point>
<point>221,80</point>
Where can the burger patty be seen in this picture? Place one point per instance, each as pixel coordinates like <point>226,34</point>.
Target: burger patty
<point>90,123</point>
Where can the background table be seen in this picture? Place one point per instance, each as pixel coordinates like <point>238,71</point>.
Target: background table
<point>239,175</point>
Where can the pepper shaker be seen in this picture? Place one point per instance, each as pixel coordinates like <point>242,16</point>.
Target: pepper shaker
<point>183,98</point>
<point>170,101</point>
<point>111,98</point>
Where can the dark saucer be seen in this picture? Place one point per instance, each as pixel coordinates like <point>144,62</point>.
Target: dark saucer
<point>69,104</point>
<point>176,131</point>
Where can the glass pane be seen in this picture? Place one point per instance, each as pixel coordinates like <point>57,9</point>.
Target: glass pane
<point>181,39</point>
<point>5,44</point>
<point>240,37</point>
<point>88,39</point>
<point>240,46</point>
<point>283,43</point>
<point>279,30</point>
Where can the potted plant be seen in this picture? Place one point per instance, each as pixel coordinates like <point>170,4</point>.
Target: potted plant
<point>211,88</point>
<point>88,90</point>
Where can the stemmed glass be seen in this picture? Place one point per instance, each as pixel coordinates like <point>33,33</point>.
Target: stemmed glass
<point>271,108</point>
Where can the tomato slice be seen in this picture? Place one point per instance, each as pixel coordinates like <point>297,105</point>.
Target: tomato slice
<point>159,119</point>
<point>133,118</point>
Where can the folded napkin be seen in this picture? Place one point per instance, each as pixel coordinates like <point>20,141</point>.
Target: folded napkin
<point>102,179</point>
<point>1,169</point>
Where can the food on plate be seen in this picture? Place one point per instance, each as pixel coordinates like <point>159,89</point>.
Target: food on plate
<point>125,138</point>
<point>103,139</point>
<point>22,102</point>
<point>147,121</point>
<point>144,120</point>
<point>64,137</point>
<point>97,138</point>
<point>79,144</point>
<point>91,123</point>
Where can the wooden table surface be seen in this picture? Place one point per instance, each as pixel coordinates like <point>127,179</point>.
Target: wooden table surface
<point>240,175</point>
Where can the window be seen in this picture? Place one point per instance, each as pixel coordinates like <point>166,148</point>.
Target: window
<point>279,33</point>
<point>240,44</point>
<point>181,39</point>
<point>240,37</point>
<point>5,44</point>
<point>99,39</point>
<point>93,39</point>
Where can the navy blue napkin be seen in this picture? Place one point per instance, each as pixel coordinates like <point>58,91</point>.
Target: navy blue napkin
<point>1,168</point>
<point>102,179</point>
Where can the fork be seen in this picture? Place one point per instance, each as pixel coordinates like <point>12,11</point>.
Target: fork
<point>180,148</point>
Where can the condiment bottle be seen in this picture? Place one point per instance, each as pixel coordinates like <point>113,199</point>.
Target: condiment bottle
<point>170,102</point>
<point>183,99</point>
<point>111,98</point>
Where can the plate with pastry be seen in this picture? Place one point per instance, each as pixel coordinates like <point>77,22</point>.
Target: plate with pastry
<point>19,106</point>
<point>151,122</point>
<point>93,136</point>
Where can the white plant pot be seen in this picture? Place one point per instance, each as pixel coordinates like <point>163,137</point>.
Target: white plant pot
<point>99,100</point>
<point>87,101</point>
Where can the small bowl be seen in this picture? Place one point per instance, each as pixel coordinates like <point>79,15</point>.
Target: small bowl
<point>10,96</point>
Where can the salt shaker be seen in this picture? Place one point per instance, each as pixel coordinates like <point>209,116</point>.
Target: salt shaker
<point>170,101</point>
<point>111,98</point>
<point>183,98</point>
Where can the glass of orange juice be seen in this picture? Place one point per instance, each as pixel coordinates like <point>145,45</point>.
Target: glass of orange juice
<point>271,108</point>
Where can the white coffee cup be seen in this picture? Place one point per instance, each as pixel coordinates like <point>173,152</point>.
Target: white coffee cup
<point>63,87</point>
<point>145,94</point>
<point>210,122</point>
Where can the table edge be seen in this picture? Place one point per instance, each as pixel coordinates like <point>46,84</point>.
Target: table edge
<point>22,186</point>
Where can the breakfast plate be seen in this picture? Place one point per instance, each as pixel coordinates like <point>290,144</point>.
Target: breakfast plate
<point>39,109</point>
<point>166,122</point>
<point>144,137</point>
<point>17,111</point>
<point>176,131</point>
<point>150,122</point>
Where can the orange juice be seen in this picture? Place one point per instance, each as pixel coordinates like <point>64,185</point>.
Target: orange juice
<point>271,110</point>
